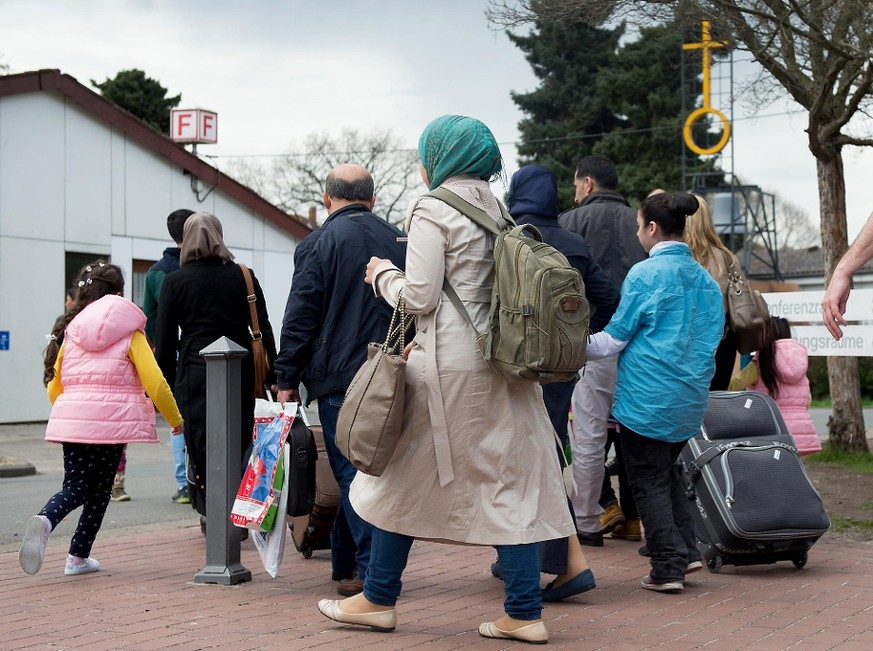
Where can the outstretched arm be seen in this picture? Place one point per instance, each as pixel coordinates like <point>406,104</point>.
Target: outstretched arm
<point>834,303</point>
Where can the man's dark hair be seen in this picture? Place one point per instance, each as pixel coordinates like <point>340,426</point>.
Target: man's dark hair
<point>599,168</point>
<point>176,223</point>
<point>360,189</point>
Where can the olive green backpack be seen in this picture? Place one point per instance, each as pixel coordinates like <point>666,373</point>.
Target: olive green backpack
<point>538,323</point>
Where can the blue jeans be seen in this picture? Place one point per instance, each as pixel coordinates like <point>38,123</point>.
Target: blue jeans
<point>177,444</point>
<point>520,563</point>
<point>664,507</point>
<point>360,530</point>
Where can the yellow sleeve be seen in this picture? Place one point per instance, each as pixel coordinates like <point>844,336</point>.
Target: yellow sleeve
<point>745,378</point>
<point>56,387</point>
<point>152,379</point>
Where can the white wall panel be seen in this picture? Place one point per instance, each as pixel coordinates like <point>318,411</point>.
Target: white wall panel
<point>147,191</point>
<point>88,178</point>
<point>32,166</point>
<point>236,222</point>
<point>275,279</point>
<point>118,171</point>
<point>31,298</point>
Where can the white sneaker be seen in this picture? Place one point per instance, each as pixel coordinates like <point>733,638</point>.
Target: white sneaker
<point>76,565</point>
<point>32,551</point>
<point>694,566</point>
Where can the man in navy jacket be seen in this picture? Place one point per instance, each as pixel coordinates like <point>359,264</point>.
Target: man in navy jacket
<point>330,318</point>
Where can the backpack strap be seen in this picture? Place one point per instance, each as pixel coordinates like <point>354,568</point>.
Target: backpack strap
<point>473,213</point>
<point>478,217</point>
<point>456,301</point>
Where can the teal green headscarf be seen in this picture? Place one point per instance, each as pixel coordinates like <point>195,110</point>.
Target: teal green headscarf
<point>455,144</point>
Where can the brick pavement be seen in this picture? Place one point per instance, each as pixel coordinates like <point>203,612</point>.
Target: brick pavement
<point>144,599</point>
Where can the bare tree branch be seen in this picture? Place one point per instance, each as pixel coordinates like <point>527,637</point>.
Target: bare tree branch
<point>297,180</point>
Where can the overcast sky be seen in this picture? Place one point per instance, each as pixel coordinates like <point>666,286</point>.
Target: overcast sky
<point>275,71</point>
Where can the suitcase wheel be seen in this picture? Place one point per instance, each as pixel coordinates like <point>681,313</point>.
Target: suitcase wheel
<point>800,561</point>
<point>714,564</point>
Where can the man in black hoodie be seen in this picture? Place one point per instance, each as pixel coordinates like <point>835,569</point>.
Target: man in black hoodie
<point>533,199</point>
<point>609,225</point>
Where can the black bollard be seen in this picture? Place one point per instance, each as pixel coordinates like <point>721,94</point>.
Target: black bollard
<point>224,472</point>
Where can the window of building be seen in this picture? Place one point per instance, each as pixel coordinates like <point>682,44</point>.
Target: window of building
<point>137,283</point>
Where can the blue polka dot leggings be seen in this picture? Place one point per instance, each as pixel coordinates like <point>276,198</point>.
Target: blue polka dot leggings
<point>89,471</point>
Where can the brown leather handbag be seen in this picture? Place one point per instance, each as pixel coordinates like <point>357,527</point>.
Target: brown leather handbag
<point>262,362</point>
<point>747,312</point>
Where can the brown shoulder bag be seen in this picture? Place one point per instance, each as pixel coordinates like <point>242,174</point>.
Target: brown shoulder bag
<point>262,362</point>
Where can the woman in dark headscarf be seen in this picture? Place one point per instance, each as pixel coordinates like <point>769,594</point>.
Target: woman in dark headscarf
<point>206,299</point>
<point>476,463</point>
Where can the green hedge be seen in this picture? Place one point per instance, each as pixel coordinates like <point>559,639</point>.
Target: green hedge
<point>818,378</point>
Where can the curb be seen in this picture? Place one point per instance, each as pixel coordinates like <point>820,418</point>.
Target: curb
<point>15,468</point>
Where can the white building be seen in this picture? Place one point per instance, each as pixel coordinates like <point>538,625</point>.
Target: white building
<point>81,178</point>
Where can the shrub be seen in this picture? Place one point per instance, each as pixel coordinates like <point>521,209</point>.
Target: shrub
<point>818,378</point>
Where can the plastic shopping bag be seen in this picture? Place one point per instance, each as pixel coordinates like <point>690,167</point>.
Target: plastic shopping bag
<point>265,412</point>
<point>257,501</point>
<point>271,544</point>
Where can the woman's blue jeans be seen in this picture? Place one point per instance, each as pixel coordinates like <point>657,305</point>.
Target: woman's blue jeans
<point>389,554</point>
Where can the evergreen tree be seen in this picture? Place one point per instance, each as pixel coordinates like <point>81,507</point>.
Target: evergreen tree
<point>142,96</point>
<point>598,97</point>
<point>565,116</point>
<point>644,87</point>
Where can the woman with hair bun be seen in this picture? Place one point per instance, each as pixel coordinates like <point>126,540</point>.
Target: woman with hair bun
<point>666,330</point>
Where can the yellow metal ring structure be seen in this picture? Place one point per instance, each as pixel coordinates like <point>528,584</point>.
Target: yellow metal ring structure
<point>696,115</point>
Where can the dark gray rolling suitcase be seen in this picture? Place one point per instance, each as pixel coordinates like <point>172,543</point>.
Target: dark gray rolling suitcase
<point>753,501</point>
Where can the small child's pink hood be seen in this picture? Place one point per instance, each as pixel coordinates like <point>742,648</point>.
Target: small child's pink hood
<point>104,322</point>
<point>793,360</point>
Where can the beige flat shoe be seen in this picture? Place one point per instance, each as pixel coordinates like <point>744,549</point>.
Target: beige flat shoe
<point>382,620</point>
<point>535,633</point>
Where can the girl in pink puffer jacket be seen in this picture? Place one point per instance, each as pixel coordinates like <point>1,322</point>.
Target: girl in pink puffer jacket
<point>98,369</point>
<point>779,370</point>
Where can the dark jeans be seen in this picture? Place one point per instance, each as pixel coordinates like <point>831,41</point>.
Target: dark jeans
<point>344,555</point>
<point>557,396</point>
<point>89,471</point>
<point>390,553</point>
<point>664,507</point>
<point>626,496</point>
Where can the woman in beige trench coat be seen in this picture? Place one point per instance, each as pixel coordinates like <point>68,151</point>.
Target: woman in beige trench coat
<point>476,463</point>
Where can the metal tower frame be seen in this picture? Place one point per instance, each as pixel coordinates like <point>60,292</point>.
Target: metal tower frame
<point>751,230</point>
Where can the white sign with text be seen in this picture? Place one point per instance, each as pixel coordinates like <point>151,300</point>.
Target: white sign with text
<point>805,308</point>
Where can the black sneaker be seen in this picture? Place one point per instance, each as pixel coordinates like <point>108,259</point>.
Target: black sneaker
<point>591,539</point>
<point>181,496</point>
